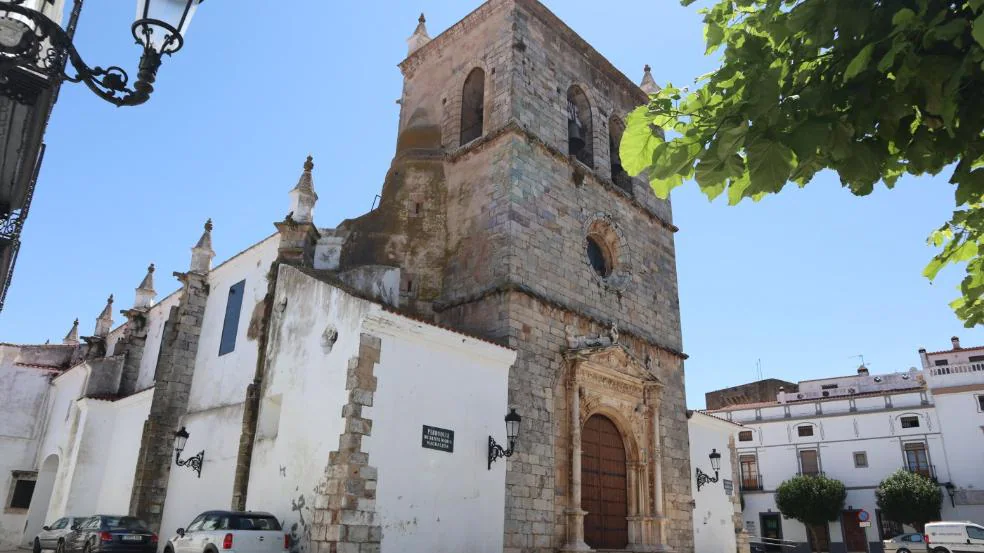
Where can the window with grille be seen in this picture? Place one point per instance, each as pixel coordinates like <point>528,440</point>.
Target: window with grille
<point>910,422</point>
<point>805,430</point>
<point>745,436</point>
<point>860,459</point>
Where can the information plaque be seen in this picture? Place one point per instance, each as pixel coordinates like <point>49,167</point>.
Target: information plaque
<point>440,439</point>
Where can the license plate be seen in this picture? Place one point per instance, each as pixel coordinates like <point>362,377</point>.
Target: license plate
<point>132,538</point>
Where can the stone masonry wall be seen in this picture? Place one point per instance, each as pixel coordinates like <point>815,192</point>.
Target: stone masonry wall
<point>345,506</point>
<point>176,366</point>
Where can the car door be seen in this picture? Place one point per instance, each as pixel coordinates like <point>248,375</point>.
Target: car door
<point>47,538</point>
<point>75,541</point>
<point>214,528</point>
<point>975,539</point>
<point>182,544</point>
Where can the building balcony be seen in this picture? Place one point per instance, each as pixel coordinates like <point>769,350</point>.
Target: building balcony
<point>929,471</point>
<point>751,482</point>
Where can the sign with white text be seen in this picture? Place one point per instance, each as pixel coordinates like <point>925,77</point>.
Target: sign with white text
<point>440,439</point>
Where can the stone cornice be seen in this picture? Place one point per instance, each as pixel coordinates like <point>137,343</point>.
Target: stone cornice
<point>504,286</point>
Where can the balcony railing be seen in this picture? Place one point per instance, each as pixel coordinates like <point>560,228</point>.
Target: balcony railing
<point>810,473</point>
<point>751,482</point>
<point>929,471</point>
<point>957,369</point>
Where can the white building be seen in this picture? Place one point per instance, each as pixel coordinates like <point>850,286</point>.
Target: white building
<point>344,408</point>
<point>859,429</point>
<point>718,525</point>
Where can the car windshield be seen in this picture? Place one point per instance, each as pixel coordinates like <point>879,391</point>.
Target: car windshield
<point>123,523</point>
<point>256,522</point>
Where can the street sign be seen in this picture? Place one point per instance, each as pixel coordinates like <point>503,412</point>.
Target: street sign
<point>863,516</point>
<point>866,524</point>
<point>440,439</point>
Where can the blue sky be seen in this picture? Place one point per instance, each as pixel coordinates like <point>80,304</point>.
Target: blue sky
<point>802,281</point>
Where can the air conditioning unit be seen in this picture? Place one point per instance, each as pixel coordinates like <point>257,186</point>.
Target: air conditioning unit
<point>851,391</point>
<point>799,396</point>
<point>826,393</point>
<point>878,379</point>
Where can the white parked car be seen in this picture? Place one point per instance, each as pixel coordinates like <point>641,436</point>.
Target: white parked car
<point>905,543</point>
<point>230,532</point>
<point>954,537</point>
<point>53,535</point>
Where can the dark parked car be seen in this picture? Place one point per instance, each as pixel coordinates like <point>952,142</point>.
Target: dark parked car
<point>111,534</point>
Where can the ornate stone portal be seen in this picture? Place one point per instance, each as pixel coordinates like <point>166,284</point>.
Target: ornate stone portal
<point>609,381</point>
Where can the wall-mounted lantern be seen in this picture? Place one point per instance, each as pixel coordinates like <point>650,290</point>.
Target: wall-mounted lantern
<point>512,432</point>
<point>951,491</point>
<point>703,479</point>
<point>180,439</point>
<point>30,41</point>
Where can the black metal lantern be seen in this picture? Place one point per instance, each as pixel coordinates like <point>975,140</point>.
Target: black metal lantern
<point>162,24</point>
<point>195,463</point>
<point>715,460</point>
<point>951,490</point>
<point>35,51</point>
<point>702,478</point>
<point>512,432</point>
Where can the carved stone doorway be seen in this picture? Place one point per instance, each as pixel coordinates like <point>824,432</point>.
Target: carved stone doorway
<point>604,485</point>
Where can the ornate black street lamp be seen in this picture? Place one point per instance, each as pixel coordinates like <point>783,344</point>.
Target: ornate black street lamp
<point>951,490</point>
<point>512,432</point>
<point>703,479</point>
<point>31,41</point>
<point>180,439</point>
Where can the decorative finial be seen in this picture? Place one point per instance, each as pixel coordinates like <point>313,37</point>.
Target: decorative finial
<point>202,253</point>
<point>648,84</point>
<point>303,197</point>
<point>419,36</point>
<point>105,321</point>
<point>145,292</point>
<point>72,338</point>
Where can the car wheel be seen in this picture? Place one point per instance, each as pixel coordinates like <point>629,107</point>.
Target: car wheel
<point>87,548</point>
<point>60,547</point>
<point>903,550</point>
<point>37,546</point>
<point>168,549</point>
<point>940,550</point>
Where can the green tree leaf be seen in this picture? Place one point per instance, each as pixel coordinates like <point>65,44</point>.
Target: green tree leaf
<point>639,141</point>
<point>978,30</point>
<point>909,498</point>
<point>859,63</point>
<point>769,164</point>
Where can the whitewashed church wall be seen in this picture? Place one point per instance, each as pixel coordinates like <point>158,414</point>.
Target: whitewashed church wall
<point>87,456</point>
<point>215,431</point>
<point>300,416</point>
<point>429,500</point>
<point>714,525</point>
<point>235,369</point>
<point>963,440</point>
<point>156,318</point>
<point>120,461</point>
<point>23,391</point>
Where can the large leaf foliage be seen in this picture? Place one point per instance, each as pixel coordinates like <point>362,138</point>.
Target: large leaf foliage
<point>871,89</point>
<point>909,498</point>
<point>812,500</point>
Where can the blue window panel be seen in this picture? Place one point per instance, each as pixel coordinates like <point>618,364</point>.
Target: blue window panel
<point>230,326</point>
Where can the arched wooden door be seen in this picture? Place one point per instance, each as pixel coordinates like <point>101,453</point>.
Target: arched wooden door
<point>604,492</point>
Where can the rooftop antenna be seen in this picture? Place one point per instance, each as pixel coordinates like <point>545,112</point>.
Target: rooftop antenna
<point>758,368</point>
<point>861,356</point>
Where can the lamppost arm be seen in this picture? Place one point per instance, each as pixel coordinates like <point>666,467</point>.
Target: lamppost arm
<point>110,84</point>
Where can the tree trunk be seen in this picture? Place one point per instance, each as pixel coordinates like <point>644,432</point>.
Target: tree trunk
<point>810,538</point>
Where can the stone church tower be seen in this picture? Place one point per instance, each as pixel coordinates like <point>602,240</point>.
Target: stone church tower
<point>509,215</point>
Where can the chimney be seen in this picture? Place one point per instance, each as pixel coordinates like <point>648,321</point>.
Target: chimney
<point>956,342</point>
<point>862,371</point>
<point>924,357</point>
<point>781,396</point>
